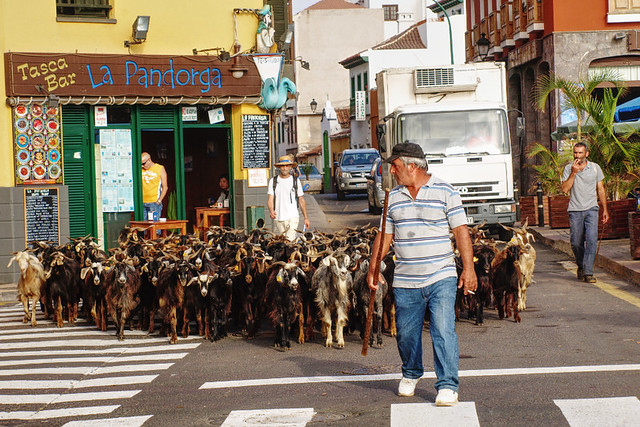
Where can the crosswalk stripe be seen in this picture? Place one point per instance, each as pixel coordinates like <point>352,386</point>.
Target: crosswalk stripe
<point>58,413</point>
<point>294,417</point>
<point>57,333</point>
<point>121,350</point>
<point>609,411</point>
<point>26,399</point>
<point>97,359</point>
<point>68,384</point>
<point>49,329</point>
<point>89,343</point>
<point>111,422</point>
<point>84,370</point>
<point>386,377</point>
<point>428,414</point>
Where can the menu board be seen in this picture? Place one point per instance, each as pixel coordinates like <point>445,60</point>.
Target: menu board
<point>37,147</point>
<point>41,215</point>
<point>255,141</point>
<point>116,170</point>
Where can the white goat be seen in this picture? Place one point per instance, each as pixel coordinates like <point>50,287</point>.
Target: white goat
<point>526,261</point>
<point>30,284</point>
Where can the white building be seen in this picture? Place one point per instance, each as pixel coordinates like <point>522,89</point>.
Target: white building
<point>426,43</point>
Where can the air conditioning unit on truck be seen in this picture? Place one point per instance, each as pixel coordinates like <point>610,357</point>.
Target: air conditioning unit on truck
<point>458,115</point>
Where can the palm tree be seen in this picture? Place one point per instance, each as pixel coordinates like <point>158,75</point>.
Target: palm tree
<point>617,154</point>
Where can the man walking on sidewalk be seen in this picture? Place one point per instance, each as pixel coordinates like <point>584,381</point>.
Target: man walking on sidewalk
<point>583,180</point>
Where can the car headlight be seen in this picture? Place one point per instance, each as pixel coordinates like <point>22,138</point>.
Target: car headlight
<point>345,174</point>
<point>379,185</point>
<point>501,209</point>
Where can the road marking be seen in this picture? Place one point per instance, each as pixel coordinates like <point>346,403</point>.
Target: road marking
<point>66,332</point>
<point>50,329</point>
<point>607,287</point>
<point>106,359</point>
<point>610,411</point>
<point>57,413</point>
<point>26,399</point>
<point>69,384</point>
<point>116,351</point>
<point>84,370</point>
<point>88,343</point>
<point>295,417</point>
<point>388,377</point>
<point>428,414</point>
<point>111,422</point>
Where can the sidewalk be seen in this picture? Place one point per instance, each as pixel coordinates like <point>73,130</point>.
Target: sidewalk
<point>613,255</point>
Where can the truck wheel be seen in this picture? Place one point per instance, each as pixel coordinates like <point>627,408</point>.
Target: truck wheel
<point>504,235</point>
<point>341,195</point>
<point>373,209</point>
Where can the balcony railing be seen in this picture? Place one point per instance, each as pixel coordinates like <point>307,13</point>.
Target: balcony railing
<point>506,20</point>
<point>535,17</point>
<point>494,29</point>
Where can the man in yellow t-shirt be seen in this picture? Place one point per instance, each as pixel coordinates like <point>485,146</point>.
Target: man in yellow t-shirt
<point>154,186</point>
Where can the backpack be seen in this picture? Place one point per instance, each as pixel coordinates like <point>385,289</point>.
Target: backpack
<point>295,188</point>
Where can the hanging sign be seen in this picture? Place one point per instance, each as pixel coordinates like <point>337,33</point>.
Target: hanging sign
<point>255,141</point>
<point>269,65</point>
<point>361,105</point>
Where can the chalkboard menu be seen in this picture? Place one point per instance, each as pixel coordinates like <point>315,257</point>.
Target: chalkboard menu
<point>41,216</point>
<point>255,141</point>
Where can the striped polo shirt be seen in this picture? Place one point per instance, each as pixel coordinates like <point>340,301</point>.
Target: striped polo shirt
<point>420,228</point>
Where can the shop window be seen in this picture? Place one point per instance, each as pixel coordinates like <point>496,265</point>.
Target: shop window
<point>119,114</point>
<point>631,8</point>
<point>390,12</point>
<point>83,9</point>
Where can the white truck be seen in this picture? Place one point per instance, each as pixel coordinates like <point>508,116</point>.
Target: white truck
<point>458,115</point>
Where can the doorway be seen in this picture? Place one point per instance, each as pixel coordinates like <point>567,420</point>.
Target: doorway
<point>160,146</point>
<point>206,158</point>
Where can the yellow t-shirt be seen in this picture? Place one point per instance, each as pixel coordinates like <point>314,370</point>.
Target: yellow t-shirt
<point>152,183</point>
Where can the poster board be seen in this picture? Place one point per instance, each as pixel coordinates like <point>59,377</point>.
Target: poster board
<point>116,170</point>
<point>255,141</point>
<point>41,215</point>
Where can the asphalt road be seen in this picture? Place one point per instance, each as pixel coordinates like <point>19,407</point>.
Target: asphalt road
<point>573,360</point>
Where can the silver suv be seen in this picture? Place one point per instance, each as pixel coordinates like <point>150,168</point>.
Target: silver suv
<point>352,169</point>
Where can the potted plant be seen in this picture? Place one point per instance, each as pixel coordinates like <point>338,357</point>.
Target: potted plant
<point>615,151</point>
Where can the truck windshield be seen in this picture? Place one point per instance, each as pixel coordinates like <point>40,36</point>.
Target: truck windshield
<point>456,133</point>
<point>359,158</point>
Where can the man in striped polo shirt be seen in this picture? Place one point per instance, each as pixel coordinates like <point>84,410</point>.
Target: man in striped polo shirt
<point>422,210</point>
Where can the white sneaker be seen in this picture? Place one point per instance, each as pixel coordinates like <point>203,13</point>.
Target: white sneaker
<point>407,386</point>
<point>446,397</point>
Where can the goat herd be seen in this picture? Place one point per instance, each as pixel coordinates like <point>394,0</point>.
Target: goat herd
<point>234,281</point>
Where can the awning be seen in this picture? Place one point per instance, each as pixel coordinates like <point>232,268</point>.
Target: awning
<point>144,100</point>
<point>571,127</point>
<point>629,111</point>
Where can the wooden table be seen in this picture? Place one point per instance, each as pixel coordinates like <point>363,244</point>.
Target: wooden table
<point>151,227</point>
<point>203,214</point>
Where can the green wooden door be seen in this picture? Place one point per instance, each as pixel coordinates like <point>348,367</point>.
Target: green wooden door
<point>78,169</point>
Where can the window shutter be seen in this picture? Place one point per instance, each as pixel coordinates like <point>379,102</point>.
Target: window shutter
<point>78,170</point>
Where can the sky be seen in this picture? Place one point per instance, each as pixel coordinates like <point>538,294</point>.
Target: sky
<point>298,5</point>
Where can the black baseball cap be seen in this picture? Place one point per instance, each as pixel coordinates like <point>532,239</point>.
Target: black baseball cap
<point>406,149</point>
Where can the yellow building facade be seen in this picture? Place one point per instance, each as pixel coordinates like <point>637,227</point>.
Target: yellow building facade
<point>86,95</point>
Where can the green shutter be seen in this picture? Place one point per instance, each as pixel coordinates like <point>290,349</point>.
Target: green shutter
<point>78,169</point>
<point>280,16</point>
<point>158,117</point>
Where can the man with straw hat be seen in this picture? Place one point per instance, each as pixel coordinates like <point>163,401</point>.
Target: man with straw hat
<point>284,196</point>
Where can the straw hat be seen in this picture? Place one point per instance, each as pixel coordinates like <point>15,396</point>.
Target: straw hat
<point>286,160</point>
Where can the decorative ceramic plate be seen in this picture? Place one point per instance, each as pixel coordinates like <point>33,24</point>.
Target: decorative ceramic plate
<point>21,110</point>
<point>37,125</point>
<point>23,157</point>
<point>22,124</point>
<point>52,140</point>
<point>37,140</point>
<point>52,111</point>
<point>36,110</point>
<point>38,156</point>
<point>54,171</point>
<point>39,171</point>
<point>24,172</point>
<point>54,155</point>
<point>53,126</point>
<point>22,140</point>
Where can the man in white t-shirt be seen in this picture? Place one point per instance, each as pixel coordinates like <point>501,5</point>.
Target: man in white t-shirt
<point>284,199</point>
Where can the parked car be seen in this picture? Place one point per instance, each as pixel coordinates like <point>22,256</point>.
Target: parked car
<point>351,170</point>
<point>375,193</point>
<point>312,183</point>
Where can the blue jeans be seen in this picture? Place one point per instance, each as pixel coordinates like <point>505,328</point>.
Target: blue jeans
<point>150,208</point>
<point>411,305</point>
<point>584,237</point>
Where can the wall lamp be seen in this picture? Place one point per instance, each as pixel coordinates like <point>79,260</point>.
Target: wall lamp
<point>139,30</point>
<point>314,105</point>
<point>304,64</point>
<point>237,69</point>
<point>483,44</point>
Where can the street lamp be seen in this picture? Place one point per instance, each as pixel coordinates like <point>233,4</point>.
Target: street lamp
<point>313,104</point>
<point>483,44</point>
<point>446,15</point>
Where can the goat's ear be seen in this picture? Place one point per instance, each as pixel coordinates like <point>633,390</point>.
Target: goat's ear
<point>11,261</point>
<point>383,266</point>
<point>301,272</point>
<point>326,261</point>
<point>279,276</point>
<point>347,260</point>
<point>83,272</point>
